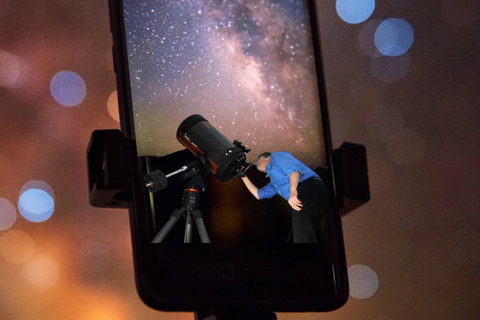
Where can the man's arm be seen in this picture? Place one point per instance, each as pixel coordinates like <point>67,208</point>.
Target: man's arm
<point>293,200</point>
<point>251,187</point>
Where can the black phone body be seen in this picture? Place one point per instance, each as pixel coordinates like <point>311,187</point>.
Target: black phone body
<point>253,70</point>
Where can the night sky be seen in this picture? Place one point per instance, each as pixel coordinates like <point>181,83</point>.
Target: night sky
<point>246,66</point>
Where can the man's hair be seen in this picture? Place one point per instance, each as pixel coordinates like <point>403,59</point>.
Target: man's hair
<point>265,154</point>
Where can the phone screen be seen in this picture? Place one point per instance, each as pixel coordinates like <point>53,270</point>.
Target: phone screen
<point>249,69</point>
<point>246,66</point>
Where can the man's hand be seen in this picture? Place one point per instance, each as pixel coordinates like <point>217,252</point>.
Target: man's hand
<point>294,202</point>
<point>293,198</point>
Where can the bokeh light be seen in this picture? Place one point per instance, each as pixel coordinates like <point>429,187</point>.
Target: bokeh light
<point>364,103</point>
<point>394,37</point>
<point>8,214</point>
<point>363,281</point>
<point>366,35</point>
<point>104,305</point>
<point>112,106</point>
<point>68,88</point>
<point>36,202</point>
<point>16,246</point>
<point>386,125</point>
<point>407,148</point>
<point>95,260</point>
<point>41,272</point>
<point>355,11</point>
<point>390,69</point>
<point>13,70</point>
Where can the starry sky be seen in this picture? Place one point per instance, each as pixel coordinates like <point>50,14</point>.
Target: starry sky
<point>246,66</point>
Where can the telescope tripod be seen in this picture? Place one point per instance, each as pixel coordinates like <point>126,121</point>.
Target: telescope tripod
<point>189,211</point>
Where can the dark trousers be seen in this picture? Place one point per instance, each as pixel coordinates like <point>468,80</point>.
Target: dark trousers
<point>306,222</point>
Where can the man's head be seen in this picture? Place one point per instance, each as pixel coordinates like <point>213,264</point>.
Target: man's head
<point>262,161</point>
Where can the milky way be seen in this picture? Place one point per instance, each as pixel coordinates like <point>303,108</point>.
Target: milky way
<point>246,66</point>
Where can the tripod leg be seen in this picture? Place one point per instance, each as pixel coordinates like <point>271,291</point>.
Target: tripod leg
<point>168,226</point>
<point>188,229</point>
<point>201,227</point>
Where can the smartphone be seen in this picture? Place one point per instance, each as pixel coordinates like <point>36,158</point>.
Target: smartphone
<point>194,76</point>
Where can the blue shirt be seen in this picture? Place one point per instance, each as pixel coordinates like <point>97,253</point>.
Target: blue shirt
<point>281,165</point>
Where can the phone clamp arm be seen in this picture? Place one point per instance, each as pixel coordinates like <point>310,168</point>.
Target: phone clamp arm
<point>109,184</point>
<point>351,176</point>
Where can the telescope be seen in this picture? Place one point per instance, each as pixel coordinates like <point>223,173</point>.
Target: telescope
<point>226,159</point>
<point>214,153</point>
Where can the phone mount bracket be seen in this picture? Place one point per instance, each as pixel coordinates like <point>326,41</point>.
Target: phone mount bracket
<point>110,186</point>
<point>351,176</point>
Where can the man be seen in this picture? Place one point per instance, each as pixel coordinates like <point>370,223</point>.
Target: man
<point>300,186</point>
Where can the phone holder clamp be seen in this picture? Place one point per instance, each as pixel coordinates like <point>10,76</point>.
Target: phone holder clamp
<point>109,184</point>
<point>351,176</point>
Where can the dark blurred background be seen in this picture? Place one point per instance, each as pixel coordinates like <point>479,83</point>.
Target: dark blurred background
<point>402,79</point>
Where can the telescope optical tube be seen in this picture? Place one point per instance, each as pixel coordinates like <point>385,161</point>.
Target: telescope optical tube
<point>200,137</point>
